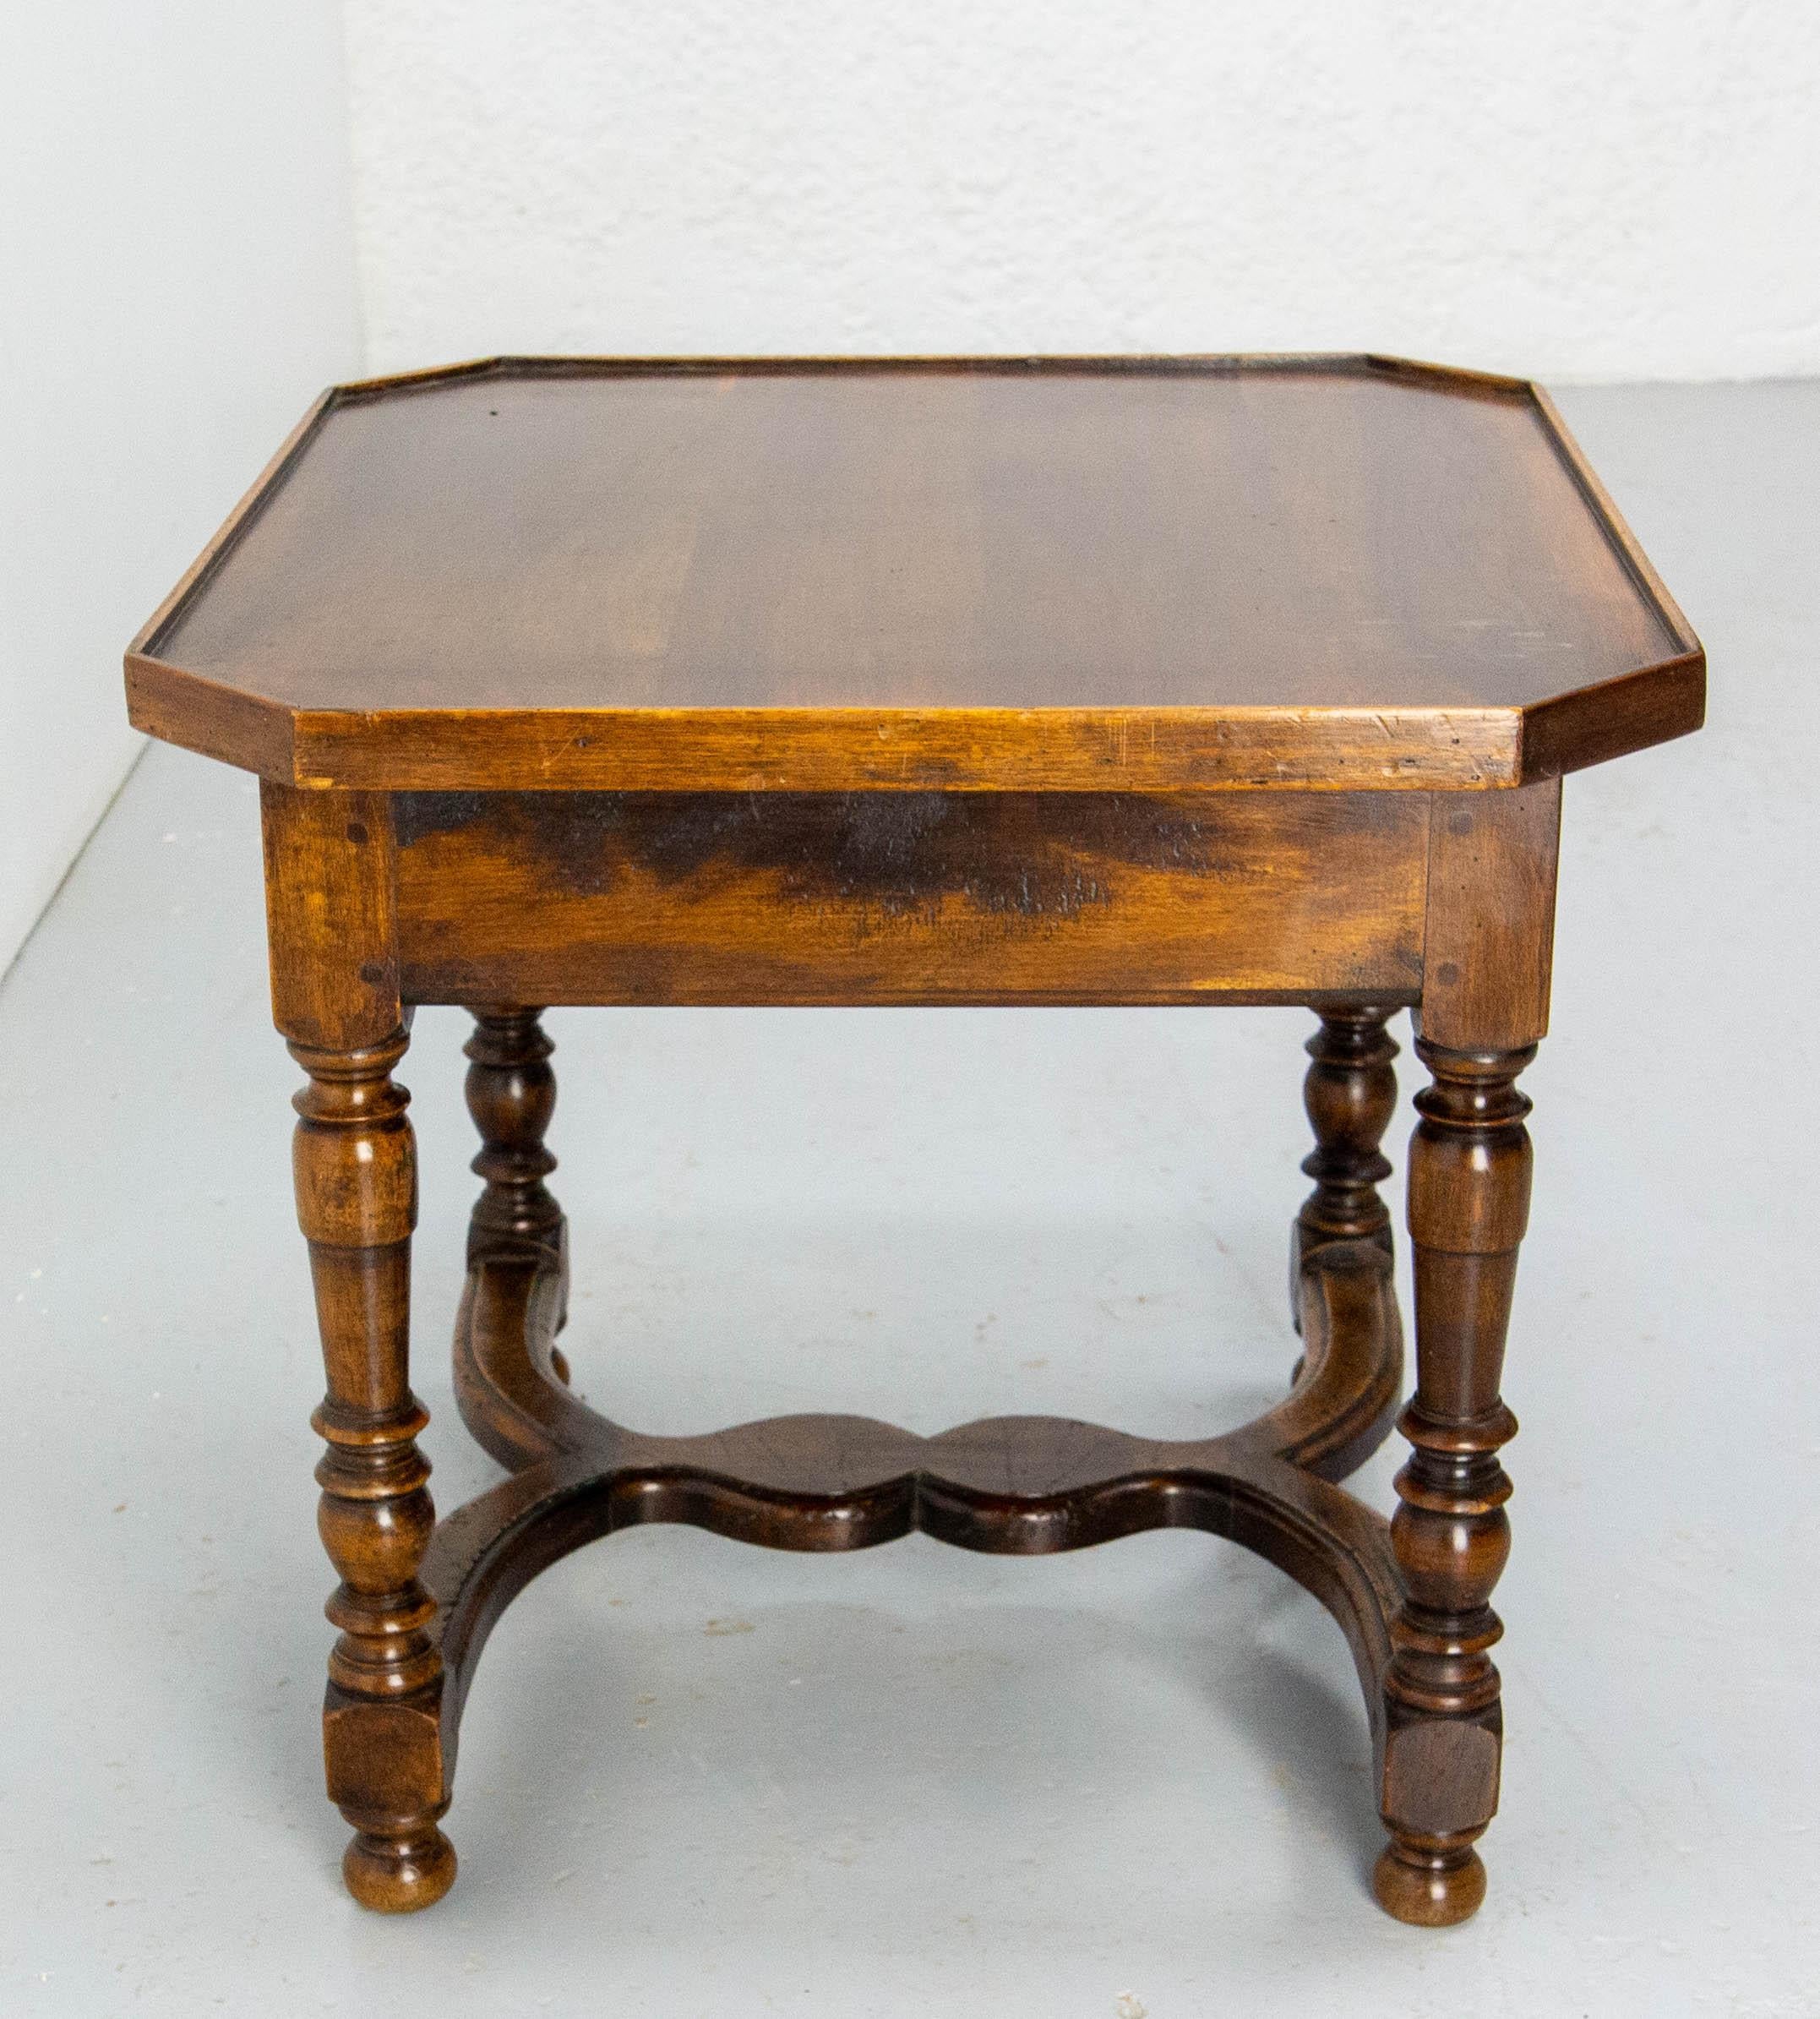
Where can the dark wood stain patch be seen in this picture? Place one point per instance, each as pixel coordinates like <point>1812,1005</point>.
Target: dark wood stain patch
<point>894,854</point>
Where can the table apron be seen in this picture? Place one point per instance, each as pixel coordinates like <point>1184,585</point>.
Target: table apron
<point>910,897</point>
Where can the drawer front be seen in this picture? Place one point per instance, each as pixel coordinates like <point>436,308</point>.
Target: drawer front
<point>910,897</point>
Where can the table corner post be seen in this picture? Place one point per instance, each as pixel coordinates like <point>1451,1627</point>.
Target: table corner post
<point>1487,952</point>
<point>332,915</point>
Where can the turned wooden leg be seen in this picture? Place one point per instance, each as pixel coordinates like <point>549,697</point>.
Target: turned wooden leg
<point>356,1171</point>
<point>1469,1165</point>
<point>512,1095</point>
<point>1349,1092</point>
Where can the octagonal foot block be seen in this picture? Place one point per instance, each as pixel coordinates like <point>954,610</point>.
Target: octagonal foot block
<point>387,1775</point>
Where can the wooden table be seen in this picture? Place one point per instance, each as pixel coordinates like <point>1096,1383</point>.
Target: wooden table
<point>1156,680</point>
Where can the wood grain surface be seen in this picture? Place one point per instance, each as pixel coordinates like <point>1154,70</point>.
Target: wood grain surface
<point>895,897</point>
<point>1146,573</point>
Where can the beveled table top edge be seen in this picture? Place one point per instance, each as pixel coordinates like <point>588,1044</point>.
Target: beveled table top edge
<point>909,749</point>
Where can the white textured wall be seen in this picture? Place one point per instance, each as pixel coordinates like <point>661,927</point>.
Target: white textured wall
<point>1582,188</point>
<point>176,281</point>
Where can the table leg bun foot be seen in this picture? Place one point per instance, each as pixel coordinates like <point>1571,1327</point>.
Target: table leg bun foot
<point>1428,1888</point>
<point>399,1871</point>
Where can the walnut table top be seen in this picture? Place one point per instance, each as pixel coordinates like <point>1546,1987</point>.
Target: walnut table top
<point>1103,575</point>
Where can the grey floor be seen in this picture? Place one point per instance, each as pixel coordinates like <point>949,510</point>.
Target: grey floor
<point>703,1780</point>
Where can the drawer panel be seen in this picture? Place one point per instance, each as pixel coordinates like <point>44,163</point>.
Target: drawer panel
<point>910,897</point>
